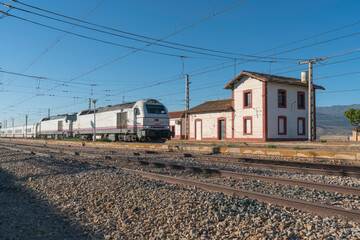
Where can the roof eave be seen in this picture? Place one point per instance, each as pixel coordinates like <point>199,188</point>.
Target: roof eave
<point>211,111</point>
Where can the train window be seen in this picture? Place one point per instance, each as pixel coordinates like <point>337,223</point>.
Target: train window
<point>137,111</point>
<point>155,109</point>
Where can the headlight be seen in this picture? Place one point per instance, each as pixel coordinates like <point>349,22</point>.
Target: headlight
<point>167,127</point>
<point>146,126</point>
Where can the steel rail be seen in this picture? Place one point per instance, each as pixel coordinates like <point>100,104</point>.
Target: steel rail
<point>238,175</point>
<point>306,167</point>
<point>320,209</point>
<point>310,207</point>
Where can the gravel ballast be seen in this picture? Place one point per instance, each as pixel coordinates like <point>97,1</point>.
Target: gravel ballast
<point>111,204</point>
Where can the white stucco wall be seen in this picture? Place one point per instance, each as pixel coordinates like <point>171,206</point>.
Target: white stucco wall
<point>256,111</point>
<point>210,124</point>
<point>291,111</point>
<point>177,126</point>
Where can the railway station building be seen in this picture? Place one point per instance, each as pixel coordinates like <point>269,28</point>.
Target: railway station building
<point>262,107</point>
<point>177,124</point>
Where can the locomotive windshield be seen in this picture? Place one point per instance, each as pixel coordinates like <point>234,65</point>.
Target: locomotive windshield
<point>155,109</point>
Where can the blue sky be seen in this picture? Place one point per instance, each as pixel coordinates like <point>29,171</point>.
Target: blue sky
<point>249,28</point>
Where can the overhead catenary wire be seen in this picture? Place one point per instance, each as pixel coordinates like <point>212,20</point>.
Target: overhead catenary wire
<point>56,41</point>
<point>128,54</point>
<point>95,39</point>
<point>356,50</point>
<point>228,65</point>
<point>322,65</point>
<point>146,38</point>
<point>232,65</point>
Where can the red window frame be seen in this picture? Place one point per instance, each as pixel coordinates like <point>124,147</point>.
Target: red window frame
<point>244,94</point>
<point>244,125</point>
<point>298,126</point>
<point>285,103</point>
<point>300,93</point>
<point>285,125</point>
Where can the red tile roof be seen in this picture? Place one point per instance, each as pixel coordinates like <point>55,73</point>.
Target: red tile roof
<point>177,114</point>
<point>269,78</point>
<point>213,106</point>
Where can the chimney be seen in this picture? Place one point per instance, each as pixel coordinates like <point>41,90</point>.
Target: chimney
<point>304,76</point>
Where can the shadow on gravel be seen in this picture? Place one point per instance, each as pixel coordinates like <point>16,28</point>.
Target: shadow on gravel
<point>22,216</point>
<point>10,155</point>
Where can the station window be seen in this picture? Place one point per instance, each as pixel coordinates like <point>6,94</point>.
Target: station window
<point>301,100</point>
<point>282,128</point>
<point>282,98</point>
<point>248,99</point>
<point>247,125</point>
<point>301,126</point>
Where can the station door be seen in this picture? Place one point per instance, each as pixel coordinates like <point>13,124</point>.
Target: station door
<point>198,130</point>
<point>221,129</point>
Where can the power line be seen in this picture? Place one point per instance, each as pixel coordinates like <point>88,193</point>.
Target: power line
<point>340,91</point>
<point>311,37</point>
<point>57,40</point>
<point>147,38</point>
<point>324,65</point>
<point>23,75</point>
<point>338,75</point>
<point>92,38</point>
<point>328,57</point>
<point>128,54</point>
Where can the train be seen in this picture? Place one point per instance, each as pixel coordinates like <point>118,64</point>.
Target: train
<point>143,120</point>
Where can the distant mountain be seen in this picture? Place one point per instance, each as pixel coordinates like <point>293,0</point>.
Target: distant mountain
<point>337,109</point>
<point>331,120</point>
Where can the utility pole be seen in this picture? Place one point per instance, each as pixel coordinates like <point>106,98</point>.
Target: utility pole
<point>94,136</point>
<point>48,112</point>
<point>26,122</point>
<point>187,104</point>
<point>311,103</point>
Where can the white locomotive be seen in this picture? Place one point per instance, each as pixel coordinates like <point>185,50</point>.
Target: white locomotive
<point>137,121</point>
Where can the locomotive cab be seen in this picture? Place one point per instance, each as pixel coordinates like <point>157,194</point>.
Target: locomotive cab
<point>151,119</point>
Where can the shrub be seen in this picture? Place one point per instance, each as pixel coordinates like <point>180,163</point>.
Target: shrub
<point>297,148</point>
<point>271,146</point>
<point>322,140</point>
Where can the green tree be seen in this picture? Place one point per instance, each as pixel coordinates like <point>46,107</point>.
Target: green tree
<point>353,115</point>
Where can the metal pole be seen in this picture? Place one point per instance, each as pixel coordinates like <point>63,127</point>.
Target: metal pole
<point>311,103</point>
<point>186,105</point>
<point>26,122</point>
<point>48,112</point>
<point>94,136</point>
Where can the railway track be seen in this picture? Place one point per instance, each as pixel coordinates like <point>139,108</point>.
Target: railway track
<point>211,171</point>
<point>291,166</point>
<point>320,209</point>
